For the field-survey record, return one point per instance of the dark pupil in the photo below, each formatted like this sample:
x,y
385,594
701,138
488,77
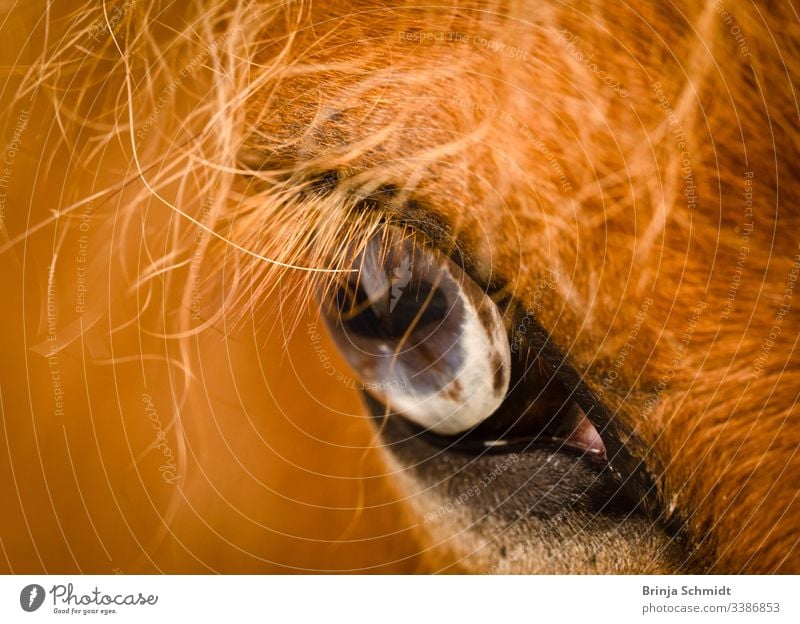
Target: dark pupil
x,y
390,319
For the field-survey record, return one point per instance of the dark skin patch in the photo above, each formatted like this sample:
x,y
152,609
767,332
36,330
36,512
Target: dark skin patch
x,y
541,485
637,482
453,391
486,318
324,182
497,381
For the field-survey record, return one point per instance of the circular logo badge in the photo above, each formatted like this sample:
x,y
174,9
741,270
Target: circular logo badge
x,y
31,597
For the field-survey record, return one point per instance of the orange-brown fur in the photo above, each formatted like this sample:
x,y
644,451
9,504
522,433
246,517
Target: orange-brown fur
x,y
511,140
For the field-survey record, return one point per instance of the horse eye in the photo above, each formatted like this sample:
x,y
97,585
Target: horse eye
x,y
421,336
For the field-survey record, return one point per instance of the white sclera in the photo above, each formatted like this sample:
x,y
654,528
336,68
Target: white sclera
x,y
448,378
473,395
